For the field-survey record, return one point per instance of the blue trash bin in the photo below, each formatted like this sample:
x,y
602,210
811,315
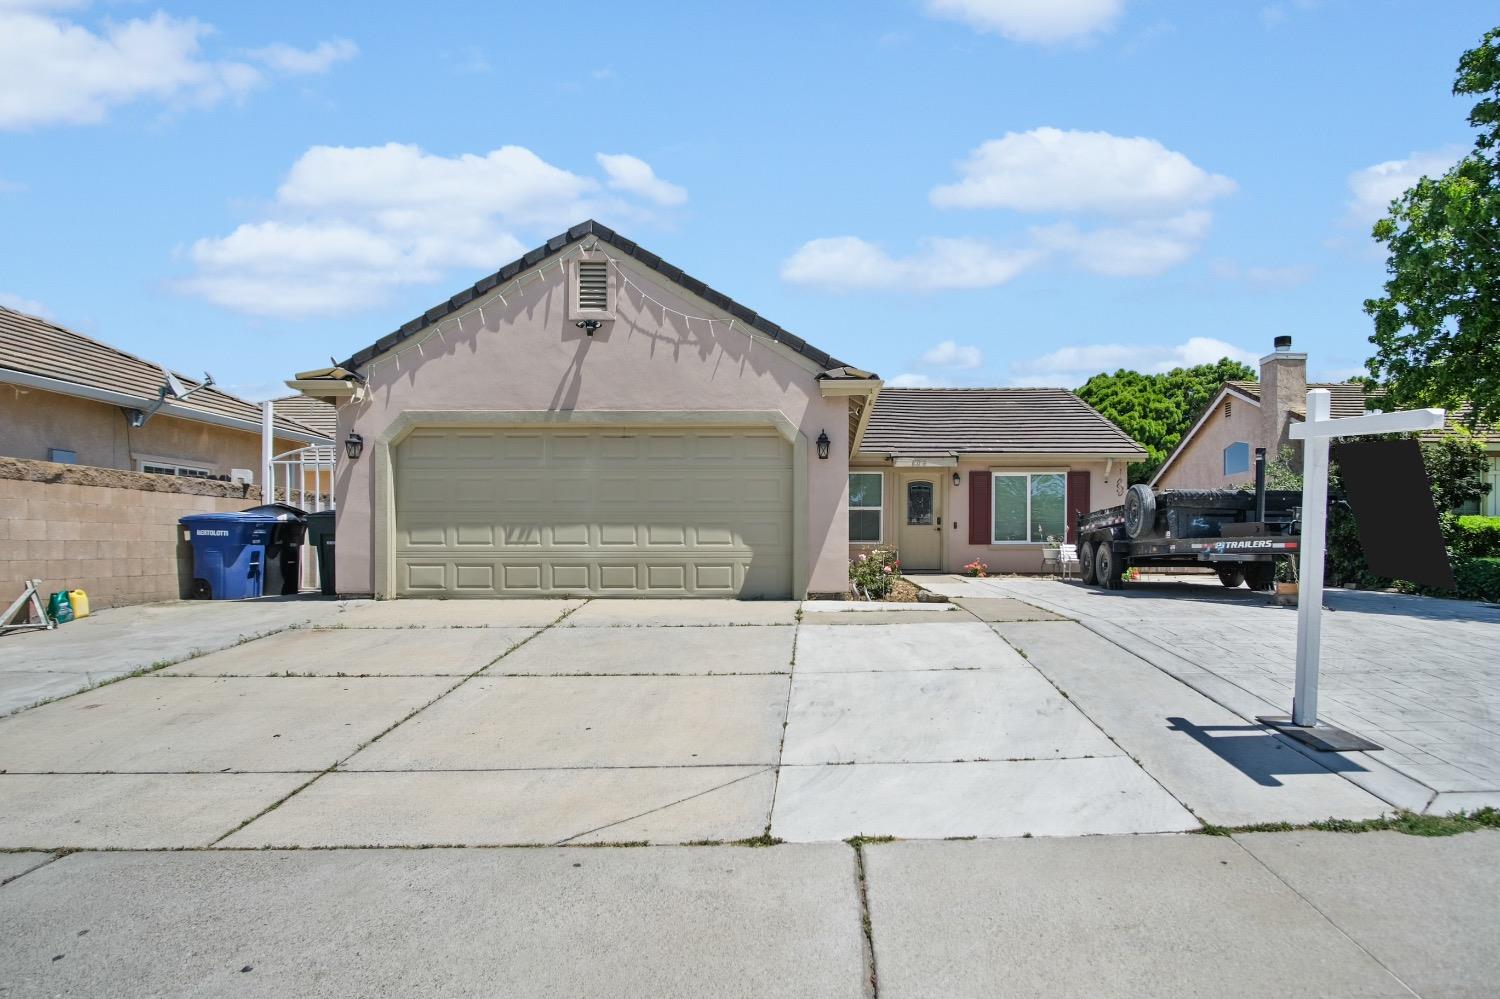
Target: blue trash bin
x,y
231,551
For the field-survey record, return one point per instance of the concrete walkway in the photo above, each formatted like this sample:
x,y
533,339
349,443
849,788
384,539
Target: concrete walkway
x,y
1419,676
1367,915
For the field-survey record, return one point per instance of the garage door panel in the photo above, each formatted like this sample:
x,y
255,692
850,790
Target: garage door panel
x,y
613,512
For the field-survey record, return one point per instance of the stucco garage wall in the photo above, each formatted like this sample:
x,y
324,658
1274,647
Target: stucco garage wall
x,y
527,357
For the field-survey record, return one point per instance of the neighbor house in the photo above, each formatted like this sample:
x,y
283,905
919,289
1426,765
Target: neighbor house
x,y
591,420
70,399
1218,452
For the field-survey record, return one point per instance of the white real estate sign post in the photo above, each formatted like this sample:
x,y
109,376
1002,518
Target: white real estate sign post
x,y
1317,430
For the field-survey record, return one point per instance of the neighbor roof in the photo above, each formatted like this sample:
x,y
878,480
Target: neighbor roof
x,y
312,413
57,359
991,421
626,247
1345,398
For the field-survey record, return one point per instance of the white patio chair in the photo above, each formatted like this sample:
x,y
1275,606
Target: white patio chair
x,y
1062,559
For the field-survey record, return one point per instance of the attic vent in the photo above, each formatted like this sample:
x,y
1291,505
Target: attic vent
x,y
1226,409
593,286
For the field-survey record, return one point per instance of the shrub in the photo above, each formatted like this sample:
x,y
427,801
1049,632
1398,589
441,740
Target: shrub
x,y
1478,578
875,573
1475,537
977,568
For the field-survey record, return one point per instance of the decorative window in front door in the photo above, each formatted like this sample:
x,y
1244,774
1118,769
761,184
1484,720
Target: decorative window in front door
x,y
919,503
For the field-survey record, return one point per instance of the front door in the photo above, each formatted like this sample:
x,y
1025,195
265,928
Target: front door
x,y
921,539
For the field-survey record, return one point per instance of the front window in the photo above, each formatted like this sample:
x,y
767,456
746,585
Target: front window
x,y
1029,507
866,495
1237,458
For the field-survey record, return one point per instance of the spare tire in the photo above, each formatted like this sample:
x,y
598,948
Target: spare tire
x,y
1140,510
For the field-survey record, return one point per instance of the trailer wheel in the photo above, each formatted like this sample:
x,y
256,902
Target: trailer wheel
x,y
1086,563
1260,576
1107,567
1231,575
1140,510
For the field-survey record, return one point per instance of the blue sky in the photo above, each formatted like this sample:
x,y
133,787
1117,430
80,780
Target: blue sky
x,y
965,192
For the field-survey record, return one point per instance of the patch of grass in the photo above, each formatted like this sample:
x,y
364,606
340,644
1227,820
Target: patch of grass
x,y
623,844
764,839
1407,823
863,840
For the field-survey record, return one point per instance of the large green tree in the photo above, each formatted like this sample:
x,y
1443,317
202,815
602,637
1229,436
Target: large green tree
x,y
1158,409
1437,327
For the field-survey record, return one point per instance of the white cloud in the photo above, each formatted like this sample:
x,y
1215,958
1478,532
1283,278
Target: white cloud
x,y
949,354
28,305
1136,249
1072,366
1263,278
1053,170
913,380
1045,21
56,71
350,224
635,176
293,61
1372,189
848,263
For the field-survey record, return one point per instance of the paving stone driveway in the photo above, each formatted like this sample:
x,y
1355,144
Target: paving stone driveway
x,y
548,722
1419,676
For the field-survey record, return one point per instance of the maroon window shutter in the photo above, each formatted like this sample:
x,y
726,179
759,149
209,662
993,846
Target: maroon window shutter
x,y
1078,502
979,508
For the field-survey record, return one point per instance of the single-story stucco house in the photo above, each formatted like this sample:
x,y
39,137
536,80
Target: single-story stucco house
x,y
591,420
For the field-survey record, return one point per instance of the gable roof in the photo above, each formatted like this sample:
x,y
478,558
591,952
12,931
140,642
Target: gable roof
x,y
44,355
630,249
991,421
1345,398
314,414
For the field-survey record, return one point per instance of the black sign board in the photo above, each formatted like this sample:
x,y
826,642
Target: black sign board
x,y
1392,502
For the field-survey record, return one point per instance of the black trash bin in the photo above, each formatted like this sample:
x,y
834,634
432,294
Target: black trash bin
x,y
320,539
283,548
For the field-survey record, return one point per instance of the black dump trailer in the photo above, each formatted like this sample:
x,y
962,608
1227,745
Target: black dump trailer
x,y
1237,532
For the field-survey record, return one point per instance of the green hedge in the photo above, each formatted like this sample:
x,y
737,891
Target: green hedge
x,y
1475,537
1478,578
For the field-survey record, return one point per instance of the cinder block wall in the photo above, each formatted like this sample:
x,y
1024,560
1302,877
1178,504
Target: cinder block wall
x,y
111,532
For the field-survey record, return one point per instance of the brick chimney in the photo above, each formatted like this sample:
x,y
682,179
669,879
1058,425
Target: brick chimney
x,y
1283,388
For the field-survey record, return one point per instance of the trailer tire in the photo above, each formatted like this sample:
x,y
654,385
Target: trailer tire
x,y
1260,576
1086,563
1231,575
1107,567
1140,510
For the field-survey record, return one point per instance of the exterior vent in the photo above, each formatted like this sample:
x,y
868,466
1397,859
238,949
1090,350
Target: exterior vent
x,y
593,286
1227,410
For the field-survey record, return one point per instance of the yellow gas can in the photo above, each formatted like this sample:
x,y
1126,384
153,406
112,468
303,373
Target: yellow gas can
x,y
79,601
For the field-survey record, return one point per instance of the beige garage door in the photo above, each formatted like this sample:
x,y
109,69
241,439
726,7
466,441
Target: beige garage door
x,y
610,512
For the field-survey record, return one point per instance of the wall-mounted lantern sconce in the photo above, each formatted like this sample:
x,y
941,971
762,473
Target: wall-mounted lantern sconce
x,y
823,443
956,479
354,446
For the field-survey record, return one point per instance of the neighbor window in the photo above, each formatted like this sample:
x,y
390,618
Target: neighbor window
x,y
1029,507
1237,458
866,497
172,468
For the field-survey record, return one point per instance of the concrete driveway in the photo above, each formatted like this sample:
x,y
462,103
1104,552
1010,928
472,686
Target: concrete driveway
x,y
141,822
1418,676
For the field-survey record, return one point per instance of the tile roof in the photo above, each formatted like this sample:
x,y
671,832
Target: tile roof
x,y
1348,399
991,421
312,413
33,346
626,247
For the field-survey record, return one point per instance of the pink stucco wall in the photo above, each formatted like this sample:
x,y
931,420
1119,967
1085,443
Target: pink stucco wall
x,y
1107,483
527,356
1200,465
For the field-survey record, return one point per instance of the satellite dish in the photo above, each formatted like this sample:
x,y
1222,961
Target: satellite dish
x,y
173,388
